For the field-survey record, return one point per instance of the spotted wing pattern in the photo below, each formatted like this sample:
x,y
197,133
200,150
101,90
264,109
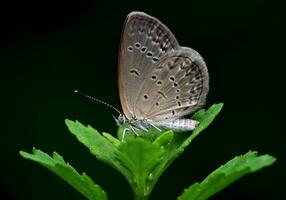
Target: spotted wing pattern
x,y
144,41
176,86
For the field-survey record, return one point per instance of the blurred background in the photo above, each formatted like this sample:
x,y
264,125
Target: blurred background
x,y
50,48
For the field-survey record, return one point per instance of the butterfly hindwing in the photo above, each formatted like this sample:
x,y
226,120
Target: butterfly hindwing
x,y
176,86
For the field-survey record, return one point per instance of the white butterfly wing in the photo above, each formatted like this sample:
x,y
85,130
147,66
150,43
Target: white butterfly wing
x,y
176,86
144,41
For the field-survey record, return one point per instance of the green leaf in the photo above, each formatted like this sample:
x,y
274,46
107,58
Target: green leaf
x,y
182,140
140,156
227,174
56,164
100,146
143,159
164,139
111,139
137,158
205,118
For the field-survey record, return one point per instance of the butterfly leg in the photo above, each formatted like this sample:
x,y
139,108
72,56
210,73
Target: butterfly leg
x,y
156,127
143,128
133,129
123,134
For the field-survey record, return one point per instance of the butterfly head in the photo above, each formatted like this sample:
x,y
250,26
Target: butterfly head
x,y
120,120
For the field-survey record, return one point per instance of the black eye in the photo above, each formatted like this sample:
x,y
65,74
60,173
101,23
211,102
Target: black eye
x,y
173,112
145,96
179,103
157,103
159,82
153,77
172,78
149,54
143,49
130,48
177,97
175,84
155,59
137,45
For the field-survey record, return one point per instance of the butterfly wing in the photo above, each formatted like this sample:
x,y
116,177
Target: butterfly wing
x,y
176,86
144,41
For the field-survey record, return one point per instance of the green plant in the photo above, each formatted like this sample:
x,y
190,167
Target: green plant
x,y
142,160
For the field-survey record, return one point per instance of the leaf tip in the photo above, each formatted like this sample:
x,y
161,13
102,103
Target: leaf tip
x,y
68,122
218,106
23,153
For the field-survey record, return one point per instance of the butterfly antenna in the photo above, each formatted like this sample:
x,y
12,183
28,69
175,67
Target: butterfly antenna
x,y
77,92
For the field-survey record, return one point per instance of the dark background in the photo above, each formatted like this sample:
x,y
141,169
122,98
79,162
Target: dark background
x,y
49,48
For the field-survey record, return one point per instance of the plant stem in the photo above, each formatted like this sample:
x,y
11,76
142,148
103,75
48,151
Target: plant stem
x,y
140,191
141,197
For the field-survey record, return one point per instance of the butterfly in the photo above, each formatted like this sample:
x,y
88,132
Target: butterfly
x,y
159,80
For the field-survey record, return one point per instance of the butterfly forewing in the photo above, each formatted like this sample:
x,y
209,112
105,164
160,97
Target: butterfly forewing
x,y
177,86
144,41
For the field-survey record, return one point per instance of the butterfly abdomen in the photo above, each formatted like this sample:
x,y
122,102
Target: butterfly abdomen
x,y
180,125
